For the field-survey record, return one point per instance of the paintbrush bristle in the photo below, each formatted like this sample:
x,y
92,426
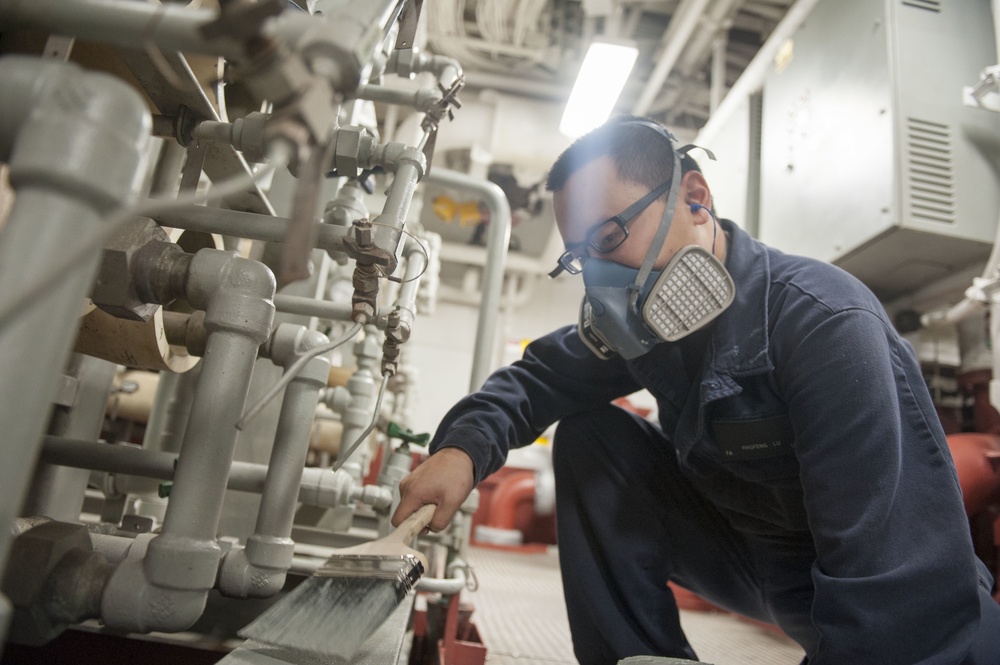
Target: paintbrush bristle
x,y
341,606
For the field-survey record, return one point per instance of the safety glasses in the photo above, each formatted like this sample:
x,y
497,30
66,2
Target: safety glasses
x,y
606,236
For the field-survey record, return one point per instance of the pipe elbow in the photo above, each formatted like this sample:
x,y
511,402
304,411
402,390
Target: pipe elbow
x,y
511,493
289,341
447,70
237,294
60,109
392,155
241,578
131,602
975,458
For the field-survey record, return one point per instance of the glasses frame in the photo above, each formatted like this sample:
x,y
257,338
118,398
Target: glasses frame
x,y
573,254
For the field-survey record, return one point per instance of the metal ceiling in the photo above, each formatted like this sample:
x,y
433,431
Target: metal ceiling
x,y
690,51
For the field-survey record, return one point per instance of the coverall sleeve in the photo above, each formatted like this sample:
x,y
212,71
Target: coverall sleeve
x,y
557,376
895,575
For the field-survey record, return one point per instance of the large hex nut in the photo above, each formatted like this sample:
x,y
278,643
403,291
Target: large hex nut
x,y
26,581
114,289
347,157
280,77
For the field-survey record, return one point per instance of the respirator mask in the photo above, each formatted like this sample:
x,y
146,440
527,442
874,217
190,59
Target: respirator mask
x,y
627,311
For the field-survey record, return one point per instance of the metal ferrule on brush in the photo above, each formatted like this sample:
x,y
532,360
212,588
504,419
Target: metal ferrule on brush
x,y
405,568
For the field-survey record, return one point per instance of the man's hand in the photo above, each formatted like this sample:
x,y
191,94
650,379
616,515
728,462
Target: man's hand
x,y
444,479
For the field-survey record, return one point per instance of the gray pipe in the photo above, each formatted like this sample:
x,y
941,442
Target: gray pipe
x,y
408,62
423,99
171,410
76,145
357,414
319,487
58,491
493,271
178,567
259,569
409,168
121,22
304,306
244,225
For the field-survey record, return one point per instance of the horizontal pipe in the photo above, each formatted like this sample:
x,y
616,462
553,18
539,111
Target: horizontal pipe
x,y
244,225
123,23
304,306
316,488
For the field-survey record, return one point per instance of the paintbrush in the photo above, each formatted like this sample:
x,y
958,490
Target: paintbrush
x,y
334,611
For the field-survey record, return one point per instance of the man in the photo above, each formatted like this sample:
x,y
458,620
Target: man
x,y
798,474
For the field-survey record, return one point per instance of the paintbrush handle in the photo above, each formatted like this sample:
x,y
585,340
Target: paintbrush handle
x,y
411,527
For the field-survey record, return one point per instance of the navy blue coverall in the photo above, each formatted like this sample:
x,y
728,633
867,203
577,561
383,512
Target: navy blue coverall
x,y
799,475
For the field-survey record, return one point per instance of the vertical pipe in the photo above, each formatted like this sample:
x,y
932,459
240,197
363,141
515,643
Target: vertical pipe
x,y
291,443
58,491
167,174
196,500
182,562
76,146
718,82
259,569
397,203
171,410
493,271
682,26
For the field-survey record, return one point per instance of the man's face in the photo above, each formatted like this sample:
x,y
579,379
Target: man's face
x,y
596,193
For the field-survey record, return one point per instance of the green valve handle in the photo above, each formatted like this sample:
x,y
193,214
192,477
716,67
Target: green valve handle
x,y
164,490
396,432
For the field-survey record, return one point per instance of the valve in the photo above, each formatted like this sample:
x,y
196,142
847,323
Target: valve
x,y
395,335
396,431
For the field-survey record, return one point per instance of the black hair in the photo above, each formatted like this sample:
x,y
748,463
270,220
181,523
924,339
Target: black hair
x,y
640,156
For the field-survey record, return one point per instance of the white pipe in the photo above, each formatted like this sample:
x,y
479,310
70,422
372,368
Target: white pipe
x,y
753,76
718,83
178,567
686,20
968,306
121,22
76,146
258,570
493,272
319,487
713,27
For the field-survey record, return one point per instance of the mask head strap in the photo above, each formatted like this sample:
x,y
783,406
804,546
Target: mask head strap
x,y
661,234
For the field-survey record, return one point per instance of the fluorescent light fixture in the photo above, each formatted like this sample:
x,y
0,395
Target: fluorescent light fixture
x,y
602,76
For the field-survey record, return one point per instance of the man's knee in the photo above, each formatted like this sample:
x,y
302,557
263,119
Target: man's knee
x,y
593,436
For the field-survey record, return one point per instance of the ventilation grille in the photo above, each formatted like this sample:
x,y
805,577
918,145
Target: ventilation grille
x,y
929,5
930,171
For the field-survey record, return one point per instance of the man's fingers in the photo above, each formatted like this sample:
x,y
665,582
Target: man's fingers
x,y
408,505
442,517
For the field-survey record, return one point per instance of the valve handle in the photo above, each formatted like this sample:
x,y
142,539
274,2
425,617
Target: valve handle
x,y
395,431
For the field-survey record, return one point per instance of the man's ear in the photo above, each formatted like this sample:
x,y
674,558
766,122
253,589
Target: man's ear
x,y
695,191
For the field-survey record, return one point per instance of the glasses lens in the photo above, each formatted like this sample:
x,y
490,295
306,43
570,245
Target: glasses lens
x,y
571,263
608,236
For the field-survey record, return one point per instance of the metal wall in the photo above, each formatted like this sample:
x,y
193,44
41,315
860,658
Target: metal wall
x,y
870,160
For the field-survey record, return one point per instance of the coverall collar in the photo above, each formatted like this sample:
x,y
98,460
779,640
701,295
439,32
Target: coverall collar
x,y
739,335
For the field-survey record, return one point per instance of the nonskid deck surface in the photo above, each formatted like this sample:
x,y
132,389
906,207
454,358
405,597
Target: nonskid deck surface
x,y
520,615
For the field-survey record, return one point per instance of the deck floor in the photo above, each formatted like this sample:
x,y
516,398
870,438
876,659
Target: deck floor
x,y
521,617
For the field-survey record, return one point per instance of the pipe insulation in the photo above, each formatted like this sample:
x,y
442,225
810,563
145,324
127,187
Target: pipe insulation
x,y
75,142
